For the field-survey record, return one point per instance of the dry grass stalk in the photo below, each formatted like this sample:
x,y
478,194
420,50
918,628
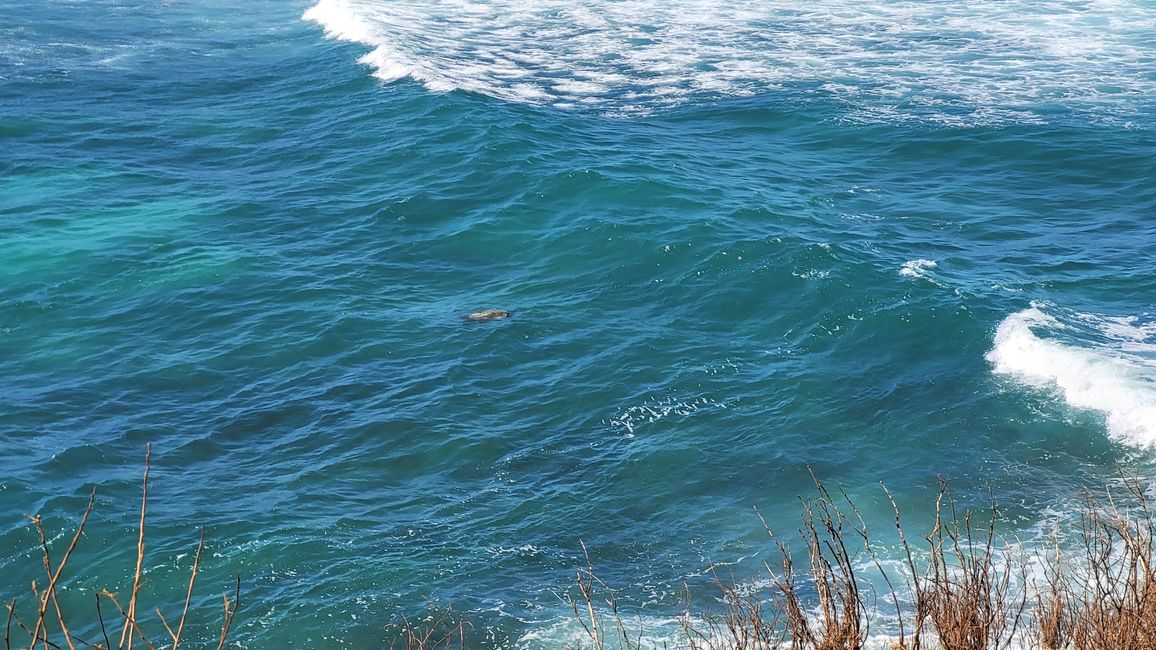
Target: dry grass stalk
x,y
1052,615
130,618
914,582
111,597
176,636
591,591
960,589
971,602
42,633
962,592
231,605
440,630
1114,604
967,589
745,624
54,577
8,624
843,612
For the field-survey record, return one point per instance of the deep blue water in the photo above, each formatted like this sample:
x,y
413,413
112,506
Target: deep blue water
x,y
885,242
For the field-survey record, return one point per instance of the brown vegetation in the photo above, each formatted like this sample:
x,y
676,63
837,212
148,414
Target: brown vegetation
x,y
50,627
438,630
967,590
1111,603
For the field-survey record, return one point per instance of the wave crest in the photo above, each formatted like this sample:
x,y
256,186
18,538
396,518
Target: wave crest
x,y
986,61
1106,364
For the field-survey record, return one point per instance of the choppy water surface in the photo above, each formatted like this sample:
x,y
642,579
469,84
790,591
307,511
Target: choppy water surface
x,y
884,242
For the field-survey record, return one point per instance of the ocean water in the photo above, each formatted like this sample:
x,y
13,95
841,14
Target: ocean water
x,y
741,242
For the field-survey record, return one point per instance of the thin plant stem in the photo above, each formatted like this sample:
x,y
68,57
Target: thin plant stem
x,y
130,617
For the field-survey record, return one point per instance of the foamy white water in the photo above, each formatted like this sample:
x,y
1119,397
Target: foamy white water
x,y
917,268
1107,364
956,62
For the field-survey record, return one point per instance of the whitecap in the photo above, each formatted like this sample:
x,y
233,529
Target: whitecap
x,y
990,61
1102,363
917,268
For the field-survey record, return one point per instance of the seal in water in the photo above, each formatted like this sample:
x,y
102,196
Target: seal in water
x,y
487,314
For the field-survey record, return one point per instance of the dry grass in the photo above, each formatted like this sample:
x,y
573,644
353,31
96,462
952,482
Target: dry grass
x,y
50,628
842,621
438,630
745,622
604,627
968,590
970,600
1053,603
1112,602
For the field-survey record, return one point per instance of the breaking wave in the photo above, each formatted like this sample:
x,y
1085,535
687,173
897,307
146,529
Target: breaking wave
x,y
1102,363
979,62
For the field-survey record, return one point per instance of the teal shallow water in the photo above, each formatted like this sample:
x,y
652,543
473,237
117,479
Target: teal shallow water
x,y
224,236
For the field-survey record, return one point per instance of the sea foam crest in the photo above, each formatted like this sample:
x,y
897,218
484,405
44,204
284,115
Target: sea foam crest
x,y
917,268
1107,364
983,61
568,631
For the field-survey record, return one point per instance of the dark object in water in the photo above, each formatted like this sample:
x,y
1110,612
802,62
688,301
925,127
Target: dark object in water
x,y
487,314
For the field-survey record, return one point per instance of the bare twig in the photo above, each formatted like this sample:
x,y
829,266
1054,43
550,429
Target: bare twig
x,y
8,625
54,575
230,611
130,617
103,631
188,594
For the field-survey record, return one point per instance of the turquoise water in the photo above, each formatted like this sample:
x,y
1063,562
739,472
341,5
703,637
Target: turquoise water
x,y
885,242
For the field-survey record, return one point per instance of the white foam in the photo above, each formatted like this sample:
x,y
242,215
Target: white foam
x,y
917,268
652,411
649,631
983,61
568,632
1106,364
341,20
